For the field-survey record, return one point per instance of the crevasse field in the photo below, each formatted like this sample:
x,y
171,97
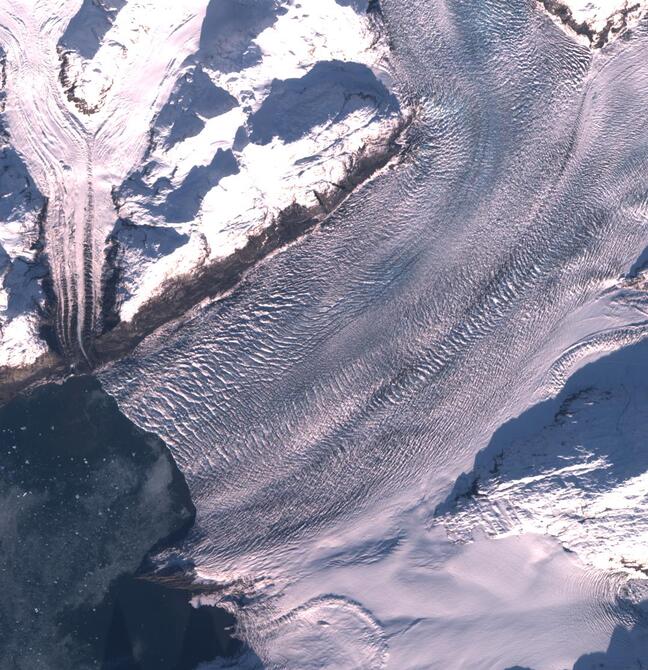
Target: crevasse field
x,y
414,437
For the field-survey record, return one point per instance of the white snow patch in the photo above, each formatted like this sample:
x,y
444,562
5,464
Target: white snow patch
x,y
577,472
20,343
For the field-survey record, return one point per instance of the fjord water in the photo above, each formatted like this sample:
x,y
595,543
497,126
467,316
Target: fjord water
x,y
84,496
360,371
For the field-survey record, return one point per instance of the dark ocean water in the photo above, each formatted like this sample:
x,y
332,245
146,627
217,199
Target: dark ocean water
x,y
84,496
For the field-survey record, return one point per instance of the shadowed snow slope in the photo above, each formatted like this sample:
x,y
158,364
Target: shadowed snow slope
x,y
21,268
78,139
88,27
276,110
324,409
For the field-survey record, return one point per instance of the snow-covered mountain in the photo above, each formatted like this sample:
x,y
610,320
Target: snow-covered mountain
x,y
22,210
574,467
596,22
166,148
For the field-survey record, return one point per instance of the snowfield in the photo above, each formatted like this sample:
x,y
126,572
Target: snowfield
x,y
74,158
573,468
251,130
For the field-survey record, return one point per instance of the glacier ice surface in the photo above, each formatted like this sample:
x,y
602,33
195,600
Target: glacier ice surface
x,y
324,408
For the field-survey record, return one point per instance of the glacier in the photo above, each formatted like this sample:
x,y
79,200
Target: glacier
x,y
323,411
414,436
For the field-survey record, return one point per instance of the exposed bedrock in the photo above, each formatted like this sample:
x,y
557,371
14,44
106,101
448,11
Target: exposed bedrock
x,y
201,209
25,303
79,45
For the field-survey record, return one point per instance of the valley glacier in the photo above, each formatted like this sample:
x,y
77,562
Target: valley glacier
x,y
376,274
